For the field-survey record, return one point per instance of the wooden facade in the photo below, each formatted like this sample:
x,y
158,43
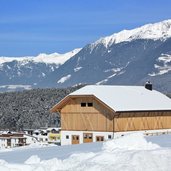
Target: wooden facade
x,y
100,117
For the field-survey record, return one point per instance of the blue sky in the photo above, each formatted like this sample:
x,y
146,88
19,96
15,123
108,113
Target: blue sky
x,y
30,27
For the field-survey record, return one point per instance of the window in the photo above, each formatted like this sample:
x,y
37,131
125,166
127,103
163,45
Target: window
x,y
54,131
90,136
75,137
67,136
109,137
83,104
44,133
99,138
90,104
36,133
85,135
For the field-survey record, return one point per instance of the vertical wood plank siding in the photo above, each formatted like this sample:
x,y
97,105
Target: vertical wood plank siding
x,y
100,118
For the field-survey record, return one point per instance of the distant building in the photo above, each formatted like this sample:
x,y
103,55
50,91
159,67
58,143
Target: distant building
x,y
49,135
40,135
54,135
8,140
97,113
29,136
28,131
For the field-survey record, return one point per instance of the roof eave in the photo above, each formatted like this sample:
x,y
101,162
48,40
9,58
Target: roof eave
x,y
159,110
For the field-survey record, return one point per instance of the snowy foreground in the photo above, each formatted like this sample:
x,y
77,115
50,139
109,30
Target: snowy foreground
x,y
132,152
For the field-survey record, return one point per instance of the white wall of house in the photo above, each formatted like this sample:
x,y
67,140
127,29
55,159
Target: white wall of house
x,y
14,142
3,143
42,138
66,136
30,139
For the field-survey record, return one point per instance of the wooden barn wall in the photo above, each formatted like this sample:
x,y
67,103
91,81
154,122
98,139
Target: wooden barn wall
x,y
142,121
75,117
100,118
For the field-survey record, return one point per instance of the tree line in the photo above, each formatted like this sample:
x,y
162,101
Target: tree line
x,y
29,109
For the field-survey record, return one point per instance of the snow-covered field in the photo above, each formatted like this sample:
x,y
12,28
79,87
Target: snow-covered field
x,y
132,152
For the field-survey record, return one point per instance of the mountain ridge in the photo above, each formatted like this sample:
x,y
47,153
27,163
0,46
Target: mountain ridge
x,y
159,30
130,57
54,58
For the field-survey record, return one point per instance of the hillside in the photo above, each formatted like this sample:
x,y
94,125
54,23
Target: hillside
x,y
129,57
27,72
30,109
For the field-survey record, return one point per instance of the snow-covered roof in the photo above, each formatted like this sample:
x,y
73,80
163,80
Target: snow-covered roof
x,y
127,98
50,129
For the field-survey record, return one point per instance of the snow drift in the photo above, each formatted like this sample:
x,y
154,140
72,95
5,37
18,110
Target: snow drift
x,y
131,152
129,142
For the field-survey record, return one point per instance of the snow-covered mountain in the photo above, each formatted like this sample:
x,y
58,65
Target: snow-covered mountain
x,y
26,72
161,30
54,58
129,57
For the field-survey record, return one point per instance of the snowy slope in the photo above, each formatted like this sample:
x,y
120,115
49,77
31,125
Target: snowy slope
x,y
160,30
163,65
54,58
30,71
132,152
130,57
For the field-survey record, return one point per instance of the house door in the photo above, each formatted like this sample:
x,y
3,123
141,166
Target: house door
x,y
99,138
75,139
87,137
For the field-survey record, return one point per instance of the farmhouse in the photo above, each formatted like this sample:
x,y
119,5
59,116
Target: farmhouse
x,y
100,112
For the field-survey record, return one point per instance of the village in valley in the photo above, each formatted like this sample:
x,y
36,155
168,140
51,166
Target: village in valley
x,y
42,136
